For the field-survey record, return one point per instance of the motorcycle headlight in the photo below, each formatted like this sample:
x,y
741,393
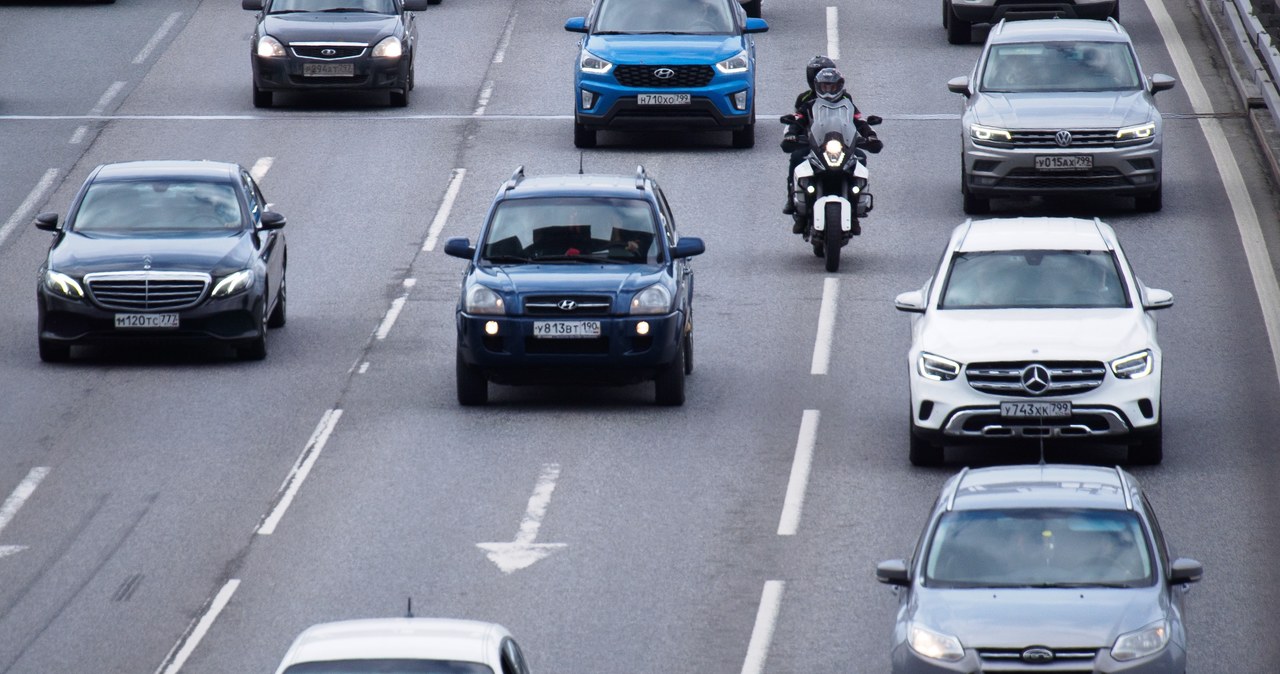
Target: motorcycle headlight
x,y
833,153
590,63
1146,641
389,48
934,645
63,285
655,299
989,134
269,47
1135,365
1140,132
233,283
482,300
937,368
734,64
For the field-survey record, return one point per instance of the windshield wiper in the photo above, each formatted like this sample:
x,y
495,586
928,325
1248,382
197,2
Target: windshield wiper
x,y
288,11
349,10
588,259
1076,586
507,259
615,32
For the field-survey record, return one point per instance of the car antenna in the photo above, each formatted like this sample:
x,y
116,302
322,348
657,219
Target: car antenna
x,y
409,611
580,156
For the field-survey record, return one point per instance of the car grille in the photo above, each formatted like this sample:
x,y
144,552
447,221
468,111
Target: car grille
x,y
147,290
643,76
319,51
568,305
1065,661
595,345
1065,377
1031,179
1048,138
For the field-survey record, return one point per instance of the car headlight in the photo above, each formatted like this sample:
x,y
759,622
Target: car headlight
x,y
1146,641
1137,133
989,134
233,283
737,63
389,48
63,285
1135,365
269,47
833,153
482,300
655,299
934,645
590,63
937,368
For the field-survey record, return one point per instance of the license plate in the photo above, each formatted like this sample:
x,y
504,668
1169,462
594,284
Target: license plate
x,y
566,329
146,321
328,70
1064,162
663,99
1036,410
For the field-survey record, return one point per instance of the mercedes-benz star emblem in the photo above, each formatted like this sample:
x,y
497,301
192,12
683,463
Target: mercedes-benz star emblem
x,y
146,261
1063,138
328,51
1037,655
664,73
567,305
1035,379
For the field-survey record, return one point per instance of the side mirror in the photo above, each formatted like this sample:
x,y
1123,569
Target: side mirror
x,y
1184,570
787,119
1155,298
688,246
960,85
874,120
756,26
47,221
1161,83
577,24
459,246
893,572
271,220
415,5
912,302
254,5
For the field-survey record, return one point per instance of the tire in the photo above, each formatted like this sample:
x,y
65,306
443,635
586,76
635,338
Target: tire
x,y
688,354
922,452
668,386
752,8
1150,203
946,14
400,99
54,352
818,250
256,348
261,99
277,318
433,2
973,204
583,137
1149,449
745,137
958,30
473,387
832,236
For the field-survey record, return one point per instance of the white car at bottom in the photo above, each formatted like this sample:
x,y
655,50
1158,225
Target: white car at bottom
x,y
1034,328
404,645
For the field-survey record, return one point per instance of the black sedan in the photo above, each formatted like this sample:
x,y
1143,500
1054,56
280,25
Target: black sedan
x,y
163,250
333,44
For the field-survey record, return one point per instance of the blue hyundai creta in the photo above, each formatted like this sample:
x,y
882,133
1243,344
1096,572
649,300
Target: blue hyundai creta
x,y
666,64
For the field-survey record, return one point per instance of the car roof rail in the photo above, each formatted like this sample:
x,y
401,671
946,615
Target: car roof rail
x,y
641,176
515,179
951,497
1124,489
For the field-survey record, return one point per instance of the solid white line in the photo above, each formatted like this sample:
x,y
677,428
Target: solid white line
x,y
20,494
34,198
155,39
442,215
78,136
1181,57
826,326
799,482
538,503
293,481
833,33
193,639
501,54
762,633
107,95
485,92
260,168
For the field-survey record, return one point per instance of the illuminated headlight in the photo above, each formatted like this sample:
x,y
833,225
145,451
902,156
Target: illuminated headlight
x,y
937,368
934,645
389,48
833,153
481,300
590,63
1135,365
655,299
989,134
1146,641
735,64
269,47
1136,133
63,285
233,283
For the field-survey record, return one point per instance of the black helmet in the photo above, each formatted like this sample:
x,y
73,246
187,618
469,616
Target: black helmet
x,y
828,84
815,64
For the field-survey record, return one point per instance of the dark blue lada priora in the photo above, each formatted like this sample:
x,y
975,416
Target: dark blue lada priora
x,y
576,279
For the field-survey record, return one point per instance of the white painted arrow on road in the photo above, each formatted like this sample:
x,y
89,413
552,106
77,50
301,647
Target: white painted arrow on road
x,y
12,504
523,552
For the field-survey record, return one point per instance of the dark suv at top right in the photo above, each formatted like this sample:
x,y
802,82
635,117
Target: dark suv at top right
x,y
958,16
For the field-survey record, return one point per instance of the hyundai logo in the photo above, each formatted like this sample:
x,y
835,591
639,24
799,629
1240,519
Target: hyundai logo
x,y
567,305
1063,138
1035,379
664,73
1037,655
328,51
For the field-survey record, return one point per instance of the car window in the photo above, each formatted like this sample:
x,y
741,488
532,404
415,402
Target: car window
x,y
664,16
369,6
251,195
1162,546
1034,547
670,220
1060,66
1034,279
572,229
121,207
389,666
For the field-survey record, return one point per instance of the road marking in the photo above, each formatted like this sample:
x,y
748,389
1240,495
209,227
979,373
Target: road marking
x,y
293,481
446,206
389,320
34,198
187,643
799,482
155,39
523,552
762,633
13,504
501,54
79,135
833,33
1255,246
107,95
260,168
826,326
364,367
485,92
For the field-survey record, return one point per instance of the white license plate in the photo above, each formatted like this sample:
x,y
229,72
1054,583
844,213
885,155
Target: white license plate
x,y
1035,410
566,329
146,321
1064,162
663,99
328,70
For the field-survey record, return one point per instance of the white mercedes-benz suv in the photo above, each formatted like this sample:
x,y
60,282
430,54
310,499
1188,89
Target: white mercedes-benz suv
x,y
1034,328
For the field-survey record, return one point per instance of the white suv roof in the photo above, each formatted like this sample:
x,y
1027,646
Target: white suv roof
x,y
1034,234
398,638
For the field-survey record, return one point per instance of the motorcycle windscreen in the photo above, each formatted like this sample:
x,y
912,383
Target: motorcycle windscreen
x,y
832,120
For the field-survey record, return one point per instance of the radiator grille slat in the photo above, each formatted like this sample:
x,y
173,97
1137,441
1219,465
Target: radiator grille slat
x,y
147,291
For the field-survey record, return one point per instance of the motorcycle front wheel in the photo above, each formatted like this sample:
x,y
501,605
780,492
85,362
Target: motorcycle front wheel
x,y
833,236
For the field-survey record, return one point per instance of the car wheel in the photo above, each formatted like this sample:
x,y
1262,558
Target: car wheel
x,y
256,348
973,204
946,14
958,30
473,387
433,2
54,352
1149,449
261,99
688,354
277,318
583,137
745,137
668,386
400,99
1150,203
922,452
752,8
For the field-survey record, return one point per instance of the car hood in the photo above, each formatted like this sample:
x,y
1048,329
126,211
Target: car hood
x,y
977,335
1073,110
1018,618
330,27
78,254
536,279
664,49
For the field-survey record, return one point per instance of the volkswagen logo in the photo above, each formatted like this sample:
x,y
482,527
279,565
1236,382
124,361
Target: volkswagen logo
x,y
1037,655
1035,379
146,261
567,305
664,73
328,51
1063,138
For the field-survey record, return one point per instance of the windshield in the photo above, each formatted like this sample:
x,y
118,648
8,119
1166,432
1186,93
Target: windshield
x,y
389,667
1034,279
159,205
664,16
364,6
1060,66
572,229
1039,547
832,119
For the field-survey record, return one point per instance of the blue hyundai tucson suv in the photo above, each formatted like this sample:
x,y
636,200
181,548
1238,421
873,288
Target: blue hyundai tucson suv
x,y
665,64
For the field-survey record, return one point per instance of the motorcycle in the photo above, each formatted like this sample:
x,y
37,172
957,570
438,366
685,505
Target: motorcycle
x,y
830,191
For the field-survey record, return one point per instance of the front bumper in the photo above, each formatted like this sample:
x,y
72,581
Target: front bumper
x,y
227,319
615,106
992,11
284,73
1006,172
906,661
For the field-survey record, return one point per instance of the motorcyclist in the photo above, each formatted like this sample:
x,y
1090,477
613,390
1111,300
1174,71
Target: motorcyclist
x,y
796,140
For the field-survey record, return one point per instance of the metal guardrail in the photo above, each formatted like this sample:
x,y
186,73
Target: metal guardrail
x,y
1263,57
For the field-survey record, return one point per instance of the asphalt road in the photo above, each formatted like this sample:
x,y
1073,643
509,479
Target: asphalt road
x,y
152,472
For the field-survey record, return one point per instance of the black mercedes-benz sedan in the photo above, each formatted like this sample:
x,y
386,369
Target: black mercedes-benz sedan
x,y
333,44
163,250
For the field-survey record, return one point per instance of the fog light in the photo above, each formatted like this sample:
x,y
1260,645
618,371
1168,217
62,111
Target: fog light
x,y
982,180
588,99
491,328
642,328
740,100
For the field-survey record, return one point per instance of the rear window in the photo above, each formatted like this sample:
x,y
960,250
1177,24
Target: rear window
x,y
1034,279
389,667
1060,66
159,206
